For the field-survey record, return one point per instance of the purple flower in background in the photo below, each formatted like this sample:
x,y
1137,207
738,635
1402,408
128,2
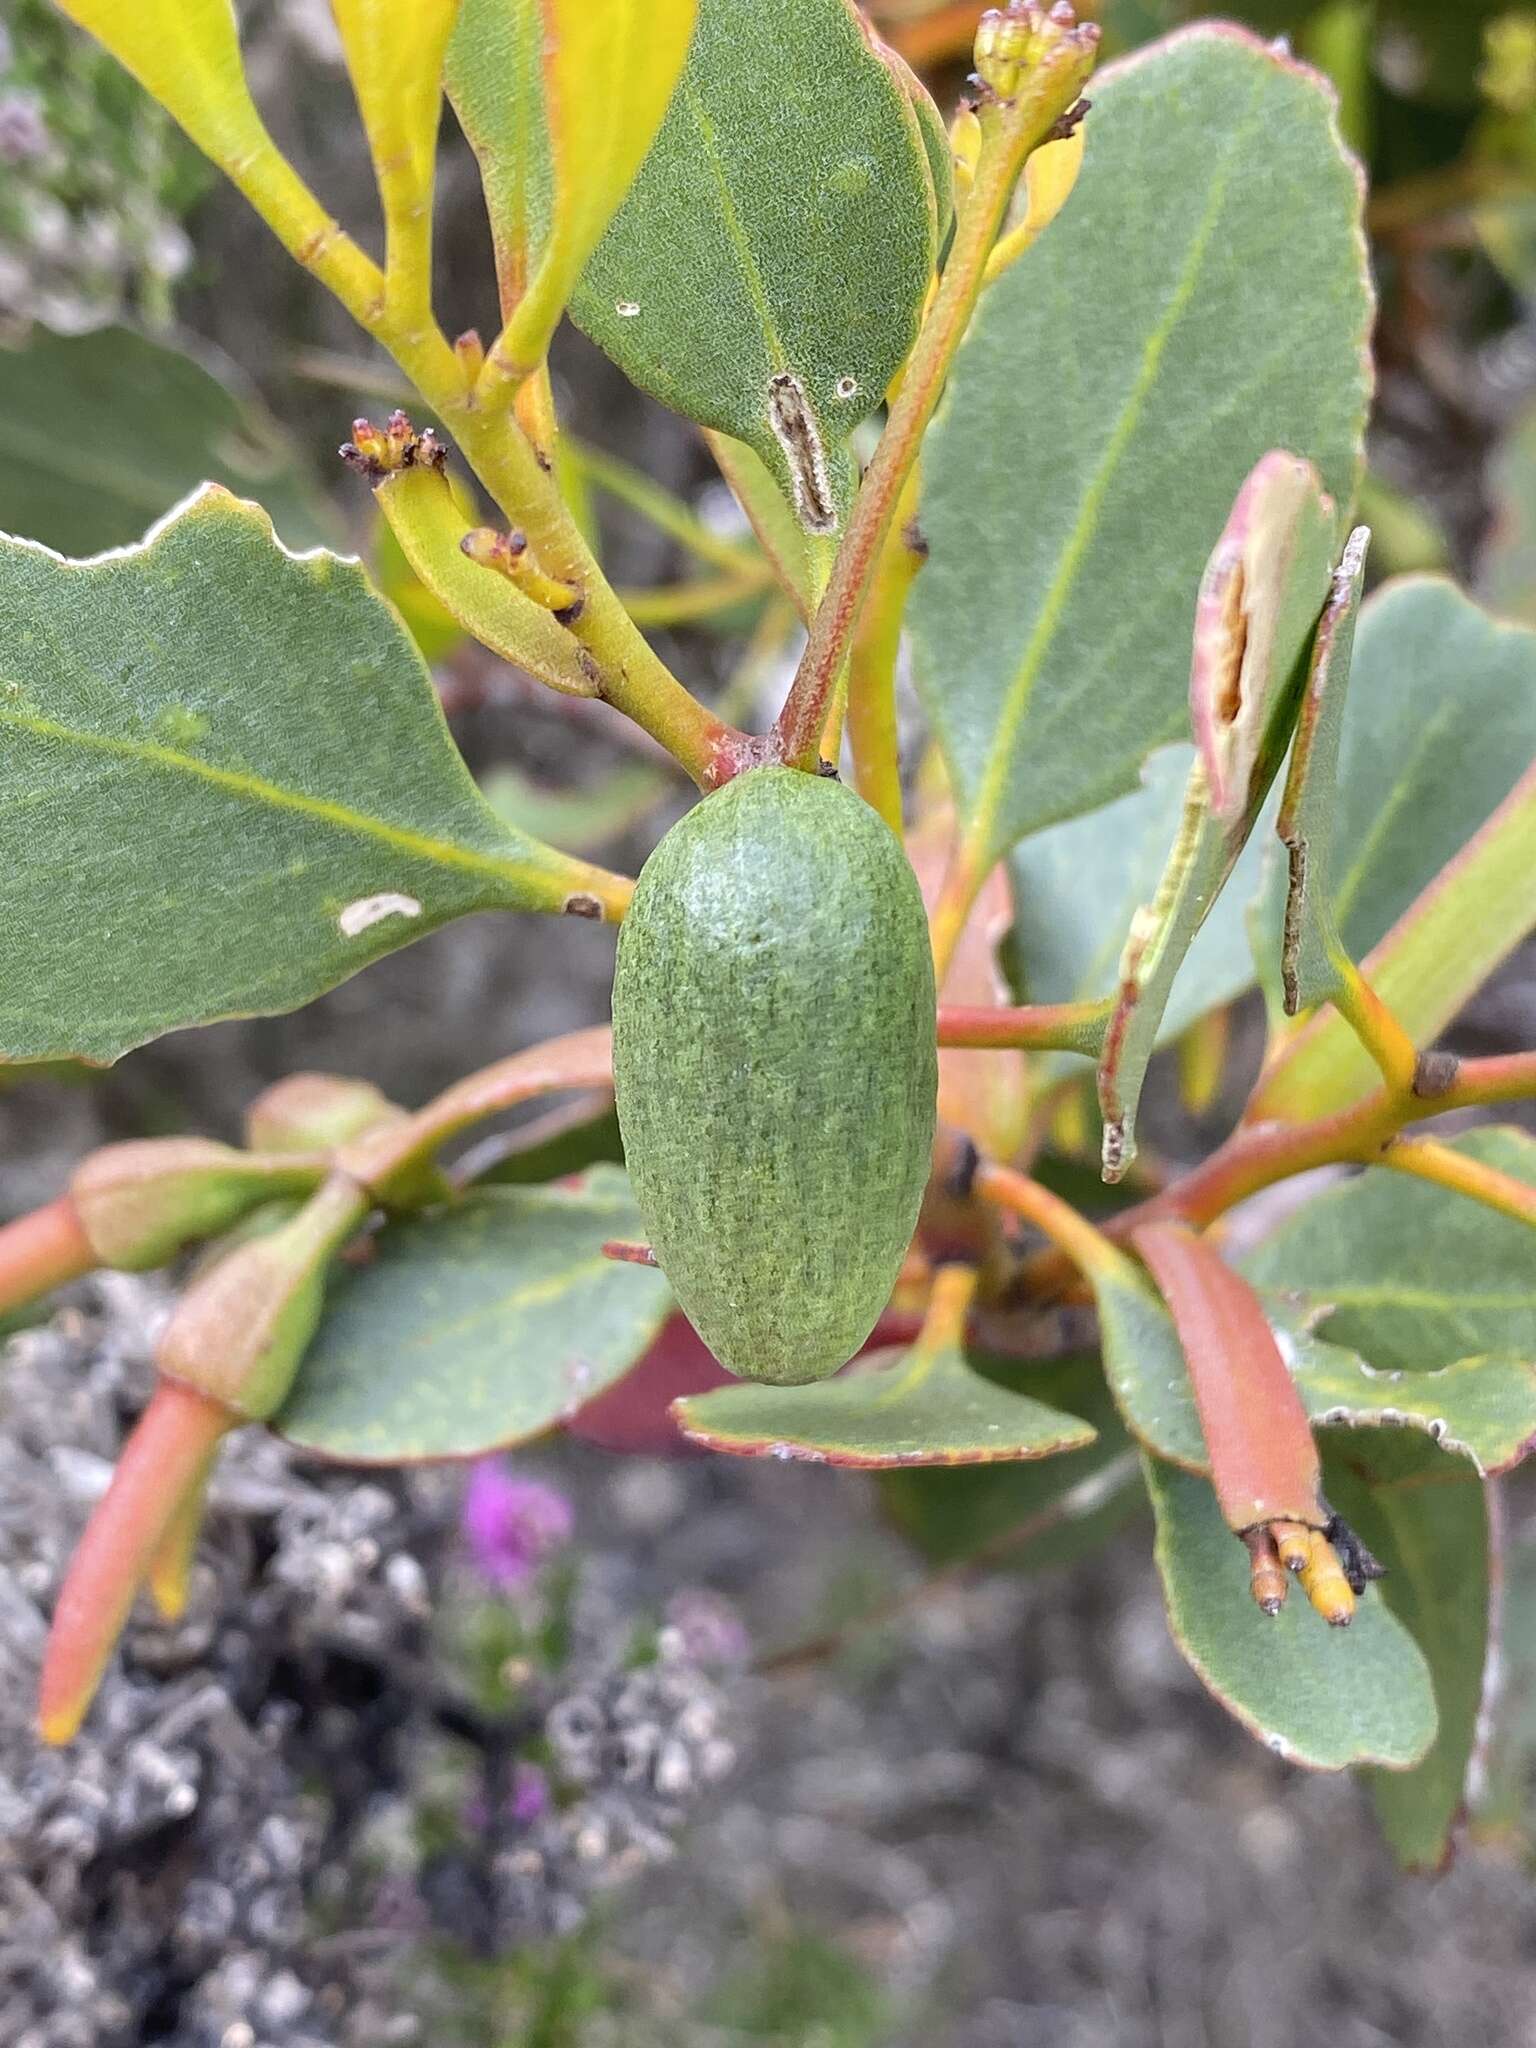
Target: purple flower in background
x,y
511,1525
530,1794
23,131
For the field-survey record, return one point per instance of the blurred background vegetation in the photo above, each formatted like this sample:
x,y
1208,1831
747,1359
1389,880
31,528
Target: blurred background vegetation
x,y
1005,1817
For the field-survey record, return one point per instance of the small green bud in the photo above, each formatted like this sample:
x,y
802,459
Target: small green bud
x,y
316,1113
241,1330
142,1202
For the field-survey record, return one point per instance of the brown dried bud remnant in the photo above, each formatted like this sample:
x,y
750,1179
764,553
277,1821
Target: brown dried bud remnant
x,y
378,452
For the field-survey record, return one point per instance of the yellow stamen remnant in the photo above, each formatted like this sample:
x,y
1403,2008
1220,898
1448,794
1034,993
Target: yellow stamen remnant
x,y
1323,1581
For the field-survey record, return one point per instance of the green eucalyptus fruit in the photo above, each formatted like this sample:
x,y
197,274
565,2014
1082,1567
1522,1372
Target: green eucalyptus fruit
x,y
775,1067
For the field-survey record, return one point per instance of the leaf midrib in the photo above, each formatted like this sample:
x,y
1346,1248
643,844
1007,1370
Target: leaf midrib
x,y
981,830
255,789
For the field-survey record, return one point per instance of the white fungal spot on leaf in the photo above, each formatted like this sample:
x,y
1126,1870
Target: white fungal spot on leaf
x,y
627,308
371,910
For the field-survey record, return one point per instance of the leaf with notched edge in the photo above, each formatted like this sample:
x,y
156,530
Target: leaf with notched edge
x,y
1484,1407
477,1326
225,785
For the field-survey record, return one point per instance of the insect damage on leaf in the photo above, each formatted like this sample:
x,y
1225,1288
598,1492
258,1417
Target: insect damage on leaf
x,y
795,429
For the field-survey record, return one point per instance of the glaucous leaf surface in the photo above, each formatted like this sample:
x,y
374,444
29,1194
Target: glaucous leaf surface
x,y
1077,885
225,785
1438,726
1323,1697
477,1326
1424,1514
893,1408
1411,1275
1201,299
765,274
1483,1406
105,432
1457,930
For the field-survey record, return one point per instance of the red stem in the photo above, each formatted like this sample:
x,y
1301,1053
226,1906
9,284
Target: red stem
x,y
41,1251
1033,1027
163,1458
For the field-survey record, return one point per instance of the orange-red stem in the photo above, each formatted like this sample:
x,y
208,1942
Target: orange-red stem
x,y
41,1251
163,1459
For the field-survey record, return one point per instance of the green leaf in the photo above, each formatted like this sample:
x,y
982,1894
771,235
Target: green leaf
x,y
1411,1275
1077,885
478,1326
1180,318
1483,1406
1425,1516
1506,569
1311,946
896,1407
1032,1513
560,99
579,820
765,275
1255,616
1322,1697
495,82
105,432
559,1143
225,785
1472,915
1412,786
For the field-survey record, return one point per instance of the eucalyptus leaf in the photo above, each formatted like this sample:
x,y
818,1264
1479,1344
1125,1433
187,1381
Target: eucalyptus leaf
x,y
1186,313
1483,1407
105,432
1439,725
894,1408
225,785
765,275
1410,1274
1424,1514
1322,1697
1077,885
477,1326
